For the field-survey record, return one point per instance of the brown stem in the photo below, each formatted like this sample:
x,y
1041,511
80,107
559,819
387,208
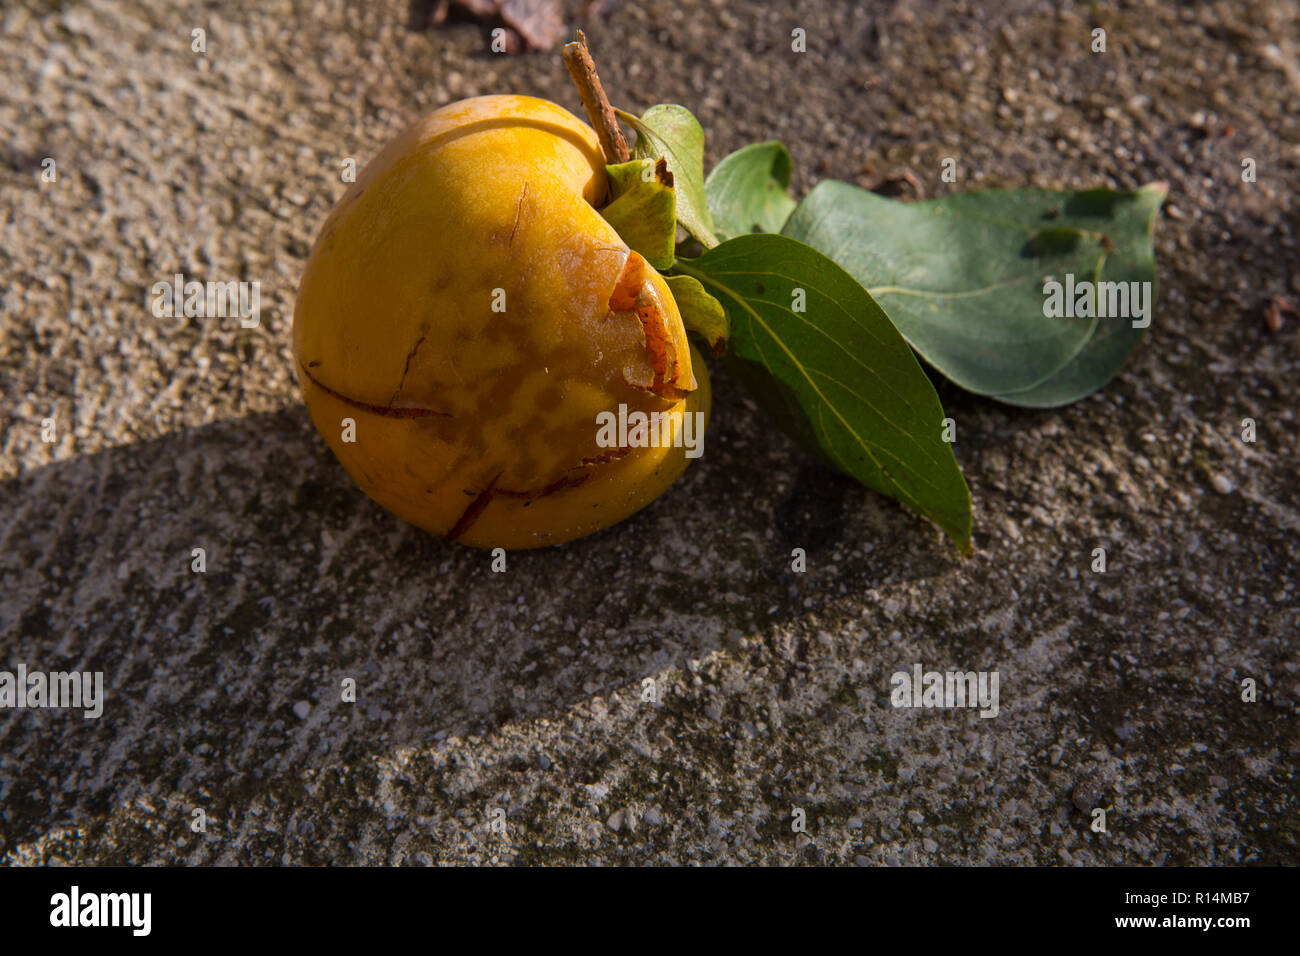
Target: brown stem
x,y
583,71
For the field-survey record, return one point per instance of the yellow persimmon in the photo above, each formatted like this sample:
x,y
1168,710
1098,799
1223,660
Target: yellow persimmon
x,y
466,319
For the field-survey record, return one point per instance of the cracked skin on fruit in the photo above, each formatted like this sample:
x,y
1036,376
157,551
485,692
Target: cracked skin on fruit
x,y
473,422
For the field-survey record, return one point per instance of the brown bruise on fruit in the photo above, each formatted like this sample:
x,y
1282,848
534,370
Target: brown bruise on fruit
x,y
471,513
406,368
482,499
635,293
389,410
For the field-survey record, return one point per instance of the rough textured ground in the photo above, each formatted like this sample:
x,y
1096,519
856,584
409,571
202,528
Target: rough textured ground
x,y
522,690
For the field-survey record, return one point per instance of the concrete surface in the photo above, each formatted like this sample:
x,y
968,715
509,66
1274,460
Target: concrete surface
x,y
523,691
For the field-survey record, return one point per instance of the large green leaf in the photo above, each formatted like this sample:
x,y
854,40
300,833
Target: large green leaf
x,y
749,191
672,133
835,373
963,278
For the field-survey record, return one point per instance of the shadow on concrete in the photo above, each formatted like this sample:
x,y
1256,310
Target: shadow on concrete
x,y
308,582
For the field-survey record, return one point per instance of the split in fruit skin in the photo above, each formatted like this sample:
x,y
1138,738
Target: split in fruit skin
x,y
468,308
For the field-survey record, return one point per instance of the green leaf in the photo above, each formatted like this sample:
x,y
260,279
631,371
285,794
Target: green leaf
x,y
701,312
642,210
965,290
837,375
1128,219
749,191
672,133
963,278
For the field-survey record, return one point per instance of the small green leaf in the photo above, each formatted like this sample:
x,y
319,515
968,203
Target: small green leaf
x,y
823,358
749,191
701,312
963,278
643,211
672,133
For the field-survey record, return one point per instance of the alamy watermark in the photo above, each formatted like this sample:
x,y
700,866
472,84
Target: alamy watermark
x,y
79,690
922,688
637,429
1086,299
73,909
209,300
